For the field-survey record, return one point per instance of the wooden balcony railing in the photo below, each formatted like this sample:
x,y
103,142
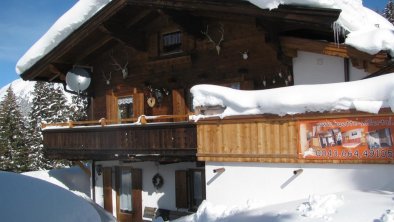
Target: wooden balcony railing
x,y
130,139
304,138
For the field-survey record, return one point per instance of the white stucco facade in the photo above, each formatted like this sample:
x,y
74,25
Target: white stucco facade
x,y
268,183
163,198
312,68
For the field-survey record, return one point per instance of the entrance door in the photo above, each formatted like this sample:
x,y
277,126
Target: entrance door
x,y
107,188
128,194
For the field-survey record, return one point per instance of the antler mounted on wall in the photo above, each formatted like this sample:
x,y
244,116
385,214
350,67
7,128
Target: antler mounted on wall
x,y
107,78
118,67
217,44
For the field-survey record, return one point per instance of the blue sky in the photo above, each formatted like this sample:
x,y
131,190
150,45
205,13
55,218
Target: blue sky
x,y
23,22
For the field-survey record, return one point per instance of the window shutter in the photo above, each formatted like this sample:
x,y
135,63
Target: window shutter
x,y
181,189
107,188
137,179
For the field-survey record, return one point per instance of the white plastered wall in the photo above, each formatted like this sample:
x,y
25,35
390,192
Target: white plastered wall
x,y
264,183
312,68
162,198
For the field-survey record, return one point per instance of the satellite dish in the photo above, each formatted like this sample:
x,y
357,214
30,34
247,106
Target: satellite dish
x,y
78,79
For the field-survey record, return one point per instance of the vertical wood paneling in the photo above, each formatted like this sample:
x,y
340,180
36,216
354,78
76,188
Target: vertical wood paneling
x,y
178,103
251,139
138,104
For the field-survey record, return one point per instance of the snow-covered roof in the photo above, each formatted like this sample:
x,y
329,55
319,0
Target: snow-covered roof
x,y
369,32
70,21
368,95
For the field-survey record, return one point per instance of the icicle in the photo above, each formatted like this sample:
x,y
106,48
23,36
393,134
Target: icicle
x,y
336,28
338,32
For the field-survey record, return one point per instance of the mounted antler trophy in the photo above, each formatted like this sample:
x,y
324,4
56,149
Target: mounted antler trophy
x,y
107,77
216,43
119,67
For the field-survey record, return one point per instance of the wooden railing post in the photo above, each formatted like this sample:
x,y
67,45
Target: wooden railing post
x,y
103,121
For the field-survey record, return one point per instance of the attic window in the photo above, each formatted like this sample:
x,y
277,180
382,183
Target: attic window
x,y
171,42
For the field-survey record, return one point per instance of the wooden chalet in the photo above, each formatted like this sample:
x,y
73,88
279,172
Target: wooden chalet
x,y
144,56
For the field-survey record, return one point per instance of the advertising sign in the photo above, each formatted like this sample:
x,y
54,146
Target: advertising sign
x,y
347,138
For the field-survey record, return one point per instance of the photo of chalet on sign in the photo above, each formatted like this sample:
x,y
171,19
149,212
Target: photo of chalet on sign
x,y
361,138
220,101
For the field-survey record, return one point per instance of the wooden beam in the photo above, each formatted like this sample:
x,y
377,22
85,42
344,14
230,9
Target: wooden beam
x,y
296,13
83,167
73,39
320,47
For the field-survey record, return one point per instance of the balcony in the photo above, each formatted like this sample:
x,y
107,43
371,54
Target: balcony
x,y
340,137
110,140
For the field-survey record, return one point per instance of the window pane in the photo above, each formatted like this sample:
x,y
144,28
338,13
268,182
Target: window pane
x,y
125,107
125,191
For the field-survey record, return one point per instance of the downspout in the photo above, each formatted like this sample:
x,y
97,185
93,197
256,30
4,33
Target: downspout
x,y
346,66
93,178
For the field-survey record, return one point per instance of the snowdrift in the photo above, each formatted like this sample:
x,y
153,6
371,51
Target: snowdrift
x,y
24,198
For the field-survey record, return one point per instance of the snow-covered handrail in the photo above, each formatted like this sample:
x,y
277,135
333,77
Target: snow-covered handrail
x,y
106,122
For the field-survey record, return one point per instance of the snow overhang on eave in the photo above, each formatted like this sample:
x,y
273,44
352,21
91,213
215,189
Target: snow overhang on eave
x,y
46,69
49,69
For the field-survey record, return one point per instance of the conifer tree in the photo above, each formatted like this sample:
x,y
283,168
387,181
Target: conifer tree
x,y
78,108
58,109
13,135
49,105
388,12
39,112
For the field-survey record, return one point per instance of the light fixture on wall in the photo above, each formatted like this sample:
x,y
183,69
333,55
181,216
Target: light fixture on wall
x,y
99,170
298,172
245,54
219,170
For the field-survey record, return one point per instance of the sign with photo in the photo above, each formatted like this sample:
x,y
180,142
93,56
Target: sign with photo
x,y
347,138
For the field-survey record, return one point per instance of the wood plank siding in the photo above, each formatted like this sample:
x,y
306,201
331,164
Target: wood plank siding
x,y
267,139
159,141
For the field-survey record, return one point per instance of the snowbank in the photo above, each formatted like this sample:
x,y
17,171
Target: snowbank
x,y
342,207
73,179
24,198
354,17
367,95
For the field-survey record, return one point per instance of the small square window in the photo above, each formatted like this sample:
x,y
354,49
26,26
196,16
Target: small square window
x,y
171,42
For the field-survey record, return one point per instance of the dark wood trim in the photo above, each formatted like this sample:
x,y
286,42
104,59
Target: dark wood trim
x,y
157,142
306,116
74,38
346,66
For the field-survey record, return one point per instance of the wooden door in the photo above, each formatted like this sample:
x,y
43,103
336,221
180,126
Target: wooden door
x,y
128,194
107,189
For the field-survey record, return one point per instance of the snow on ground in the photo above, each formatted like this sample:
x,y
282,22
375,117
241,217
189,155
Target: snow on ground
x,y
73,179
354,17
299,99
24,198
360,206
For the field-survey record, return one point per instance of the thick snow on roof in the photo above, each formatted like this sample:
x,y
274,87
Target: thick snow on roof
x,y
70,21
354,17
367,95
369,31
